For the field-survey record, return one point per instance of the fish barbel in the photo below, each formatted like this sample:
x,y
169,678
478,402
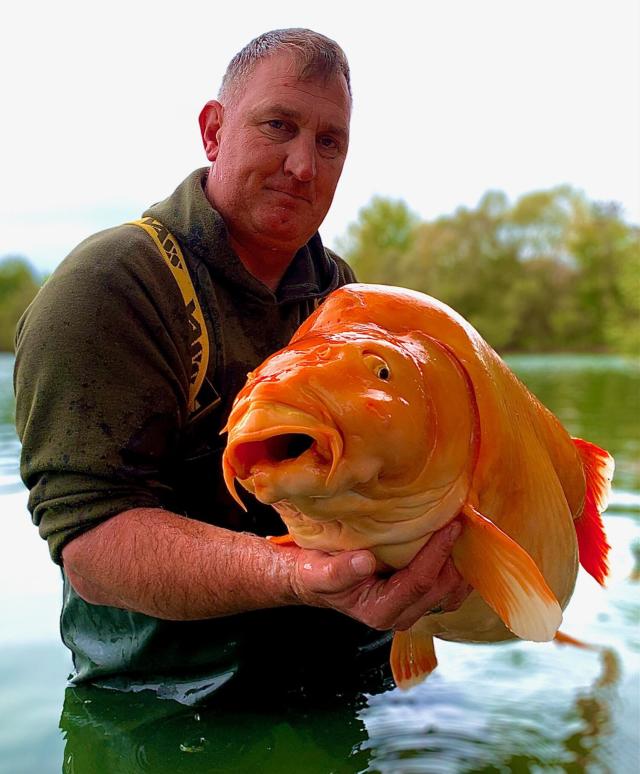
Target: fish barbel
x,y
388,416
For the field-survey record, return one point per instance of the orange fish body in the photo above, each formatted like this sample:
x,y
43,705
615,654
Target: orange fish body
x,y
386,417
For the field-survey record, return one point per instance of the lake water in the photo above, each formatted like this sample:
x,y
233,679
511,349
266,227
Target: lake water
x,y
518,707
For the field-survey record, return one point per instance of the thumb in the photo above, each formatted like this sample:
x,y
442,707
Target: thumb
x,y
337,573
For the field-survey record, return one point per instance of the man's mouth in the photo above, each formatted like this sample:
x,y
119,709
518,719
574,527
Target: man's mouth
x,y
291,194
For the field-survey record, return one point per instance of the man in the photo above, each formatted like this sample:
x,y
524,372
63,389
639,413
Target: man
x,y
167,583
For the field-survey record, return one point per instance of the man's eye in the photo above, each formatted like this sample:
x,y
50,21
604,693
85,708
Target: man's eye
x,y
276,124
328,142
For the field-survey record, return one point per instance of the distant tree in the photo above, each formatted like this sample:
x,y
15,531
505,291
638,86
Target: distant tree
x,y
539,222
463,260
18,285
542,298
541,302
377,243
607,251
553,271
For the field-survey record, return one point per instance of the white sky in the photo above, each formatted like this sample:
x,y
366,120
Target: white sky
x,y
99,104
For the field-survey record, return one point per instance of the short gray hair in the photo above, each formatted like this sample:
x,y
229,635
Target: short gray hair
x,y
317,55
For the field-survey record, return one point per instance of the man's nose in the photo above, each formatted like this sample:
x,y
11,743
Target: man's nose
x,y
301,158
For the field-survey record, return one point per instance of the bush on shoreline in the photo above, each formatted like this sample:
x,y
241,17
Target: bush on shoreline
x,y
19,284
552,272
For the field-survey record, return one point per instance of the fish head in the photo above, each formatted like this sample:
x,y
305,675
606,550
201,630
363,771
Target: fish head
x,y
326,414
344,427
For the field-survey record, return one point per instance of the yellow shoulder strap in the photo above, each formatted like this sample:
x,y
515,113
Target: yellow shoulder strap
x,y
199,341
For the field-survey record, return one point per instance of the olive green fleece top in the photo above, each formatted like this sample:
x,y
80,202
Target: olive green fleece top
x,y
102,368
102,377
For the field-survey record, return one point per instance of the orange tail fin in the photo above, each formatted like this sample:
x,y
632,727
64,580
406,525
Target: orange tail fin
x,y
592,542
412,655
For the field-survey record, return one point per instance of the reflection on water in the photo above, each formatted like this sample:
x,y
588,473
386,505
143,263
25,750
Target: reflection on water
x,y
447,729
114,733
517,707
487,720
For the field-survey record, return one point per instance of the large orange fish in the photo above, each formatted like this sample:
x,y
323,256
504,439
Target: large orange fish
x,y
386,417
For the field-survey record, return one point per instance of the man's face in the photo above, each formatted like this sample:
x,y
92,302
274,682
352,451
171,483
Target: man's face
x,y
278,154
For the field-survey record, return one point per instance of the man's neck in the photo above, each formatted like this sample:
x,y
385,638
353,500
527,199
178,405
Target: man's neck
x,y
266,265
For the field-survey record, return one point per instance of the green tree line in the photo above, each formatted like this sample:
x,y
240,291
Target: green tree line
x,y
550,272
19,283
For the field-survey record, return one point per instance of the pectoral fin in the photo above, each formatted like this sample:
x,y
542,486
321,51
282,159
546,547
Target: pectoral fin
x,y
506,577
282,540
412,655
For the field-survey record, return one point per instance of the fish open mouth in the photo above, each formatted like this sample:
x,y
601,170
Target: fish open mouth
x,y
271,438
275,449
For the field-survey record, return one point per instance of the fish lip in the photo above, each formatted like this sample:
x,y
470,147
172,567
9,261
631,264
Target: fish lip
x,y
321,443
327,442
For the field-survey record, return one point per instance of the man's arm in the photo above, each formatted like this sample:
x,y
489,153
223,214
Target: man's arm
x,y
164,565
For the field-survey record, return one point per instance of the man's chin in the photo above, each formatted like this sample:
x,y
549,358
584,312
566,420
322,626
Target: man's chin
x,y
283,231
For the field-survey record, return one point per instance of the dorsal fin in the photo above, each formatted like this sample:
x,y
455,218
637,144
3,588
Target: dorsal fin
x,y
592,542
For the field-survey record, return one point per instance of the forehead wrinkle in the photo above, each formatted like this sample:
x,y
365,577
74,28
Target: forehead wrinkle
x,y
282,110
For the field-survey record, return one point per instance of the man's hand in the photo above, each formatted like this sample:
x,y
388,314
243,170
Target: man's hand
x,y
155,562
347,583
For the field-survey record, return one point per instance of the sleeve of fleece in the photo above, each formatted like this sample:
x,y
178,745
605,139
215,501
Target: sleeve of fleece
x,y
101,385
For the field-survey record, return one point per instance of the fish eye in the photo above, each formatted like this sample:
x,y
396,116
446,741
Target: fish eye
x,y
378,366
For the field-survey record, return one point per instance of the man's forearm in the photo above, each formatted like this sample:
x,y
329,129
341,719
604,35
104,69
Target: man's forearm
x,y
155,562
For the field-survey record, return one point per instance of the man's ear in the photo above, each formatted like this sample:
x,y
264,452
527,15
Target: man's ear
x,y
210,123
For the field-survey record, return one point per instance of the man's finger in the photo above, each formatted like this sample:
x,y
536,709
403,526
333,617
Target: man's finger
x,y
454,599
324,574
415,581
445,595
438,549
